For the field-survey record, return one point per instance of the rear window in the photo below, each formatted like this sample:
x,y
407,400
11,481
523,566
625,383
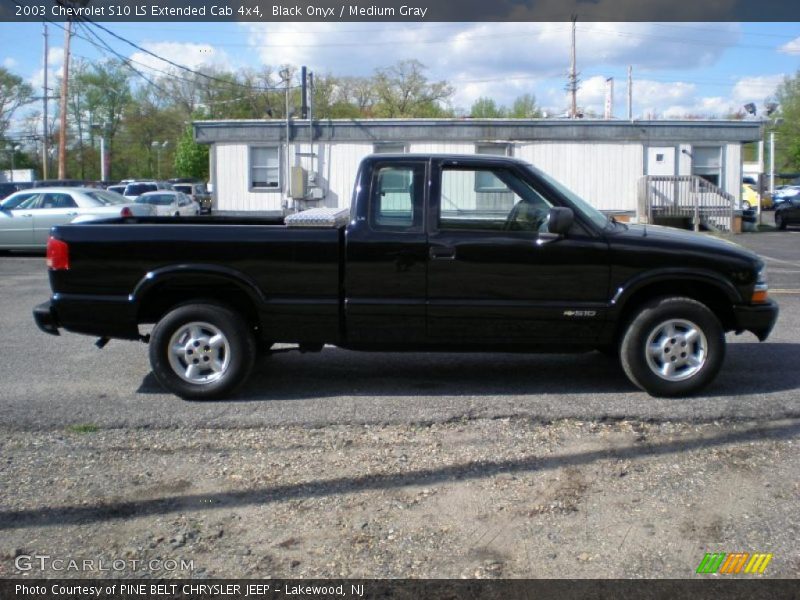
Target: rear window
x,y
107,198
157,199
137,189
186,189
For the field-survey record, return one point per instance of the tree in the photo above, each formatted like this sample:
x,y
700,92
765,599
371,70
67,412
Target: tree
x,y
191,158
788,130
486,108
14,92
403,90
524,107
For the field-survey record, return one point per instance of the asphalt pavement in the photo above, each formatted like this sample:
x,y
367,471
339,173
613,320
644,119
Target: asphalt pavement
x,y
51,382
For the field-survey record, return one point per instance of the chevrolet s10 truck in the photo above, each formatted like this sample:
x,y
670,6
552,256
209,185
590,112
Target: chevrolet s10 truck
x,y
450,253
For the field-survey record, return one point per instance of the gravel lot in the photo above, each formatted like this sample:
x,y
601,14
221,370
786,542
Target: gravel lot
x,y
394,465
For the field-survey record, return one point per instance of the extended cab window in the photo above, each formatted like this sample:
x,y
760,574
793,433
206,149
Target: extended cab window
x,y
511,205
397,198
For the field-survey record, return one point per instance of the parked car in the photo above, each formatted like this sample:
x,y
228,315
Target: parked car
x,y
197,192
418,265
788,213
117,189
170,203
27,216
7,189
784,193
751,198
137,188
59,183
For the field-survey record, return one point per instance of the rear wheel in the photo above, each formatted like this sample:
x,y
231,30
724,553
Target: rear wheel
x,y
673,347
202,351
780,223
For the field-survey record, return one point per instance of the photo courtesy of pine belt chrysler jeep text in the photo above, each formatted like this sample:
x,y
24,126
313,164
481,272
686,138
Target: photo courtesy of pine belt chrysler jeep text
x,y
438,252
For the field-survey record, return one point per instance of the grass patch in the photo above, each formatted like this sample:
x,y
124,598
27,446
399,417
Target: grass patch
x,y
83,428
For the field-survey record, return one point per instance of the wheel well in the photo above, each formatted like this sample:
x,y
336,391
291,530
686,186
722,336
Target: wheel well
x,y
165,296
710,295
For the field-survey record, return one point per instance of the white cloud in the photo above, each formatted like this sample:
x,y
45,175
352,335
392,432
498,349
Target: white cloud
x,y
756,89
189,54
9,63
792,47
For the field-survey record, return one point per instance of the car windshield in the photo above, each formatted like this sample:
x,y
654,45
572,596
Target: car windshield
x,y
107,198
578,203
157,199
137,189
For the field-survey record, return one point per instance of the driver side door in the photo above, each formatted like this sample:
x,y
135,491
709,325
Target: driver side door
x,y
495,276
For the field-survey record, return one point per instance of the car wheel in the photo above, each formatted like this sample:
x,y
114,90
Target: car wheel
x,y
674,346
780,223
202,351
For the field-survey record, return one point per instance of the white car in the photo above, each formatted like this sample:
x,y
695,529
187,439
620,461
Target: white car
x,y
27,216
169,203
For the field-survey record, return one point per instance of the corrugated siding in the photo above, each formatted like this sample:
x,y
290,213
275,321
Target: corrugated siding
x,y
233,180
604,174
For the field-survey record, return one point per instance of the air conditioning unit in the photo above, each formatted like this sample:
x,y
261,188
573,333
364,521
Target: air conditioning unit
x,y
298,183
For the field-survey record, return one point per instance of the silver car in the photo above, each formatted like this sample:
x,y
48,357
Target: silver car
x,y
27,216
168,203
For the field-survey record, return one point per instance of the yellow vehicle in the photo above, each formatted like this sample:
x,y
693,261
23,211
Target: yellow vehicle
x,y
750,198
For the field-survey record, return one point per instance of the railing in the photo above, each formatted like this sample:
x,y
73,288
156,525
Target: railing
x,y
686,198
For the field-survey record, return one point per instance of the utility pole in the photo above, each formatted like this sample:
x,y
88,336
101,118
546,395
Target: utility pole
x,y
45,100
630,93
572,86
771,162
62,134
609,108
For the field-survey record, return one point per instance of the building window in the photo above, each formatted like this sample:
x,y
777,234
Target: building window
x,y
389,148
707,163
484,180
265,168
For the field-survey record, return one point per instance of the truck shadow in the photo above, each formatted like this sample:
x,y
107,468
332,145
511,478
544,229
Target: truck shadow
x,y
750,368
100,512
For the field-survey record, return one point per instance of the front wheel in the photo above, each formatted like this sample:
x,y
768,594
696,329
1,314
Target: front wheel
x,y
673,347
202,351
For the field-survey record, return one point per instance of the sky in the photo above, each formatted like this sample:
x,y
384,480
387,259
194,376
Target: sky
x,y
679,69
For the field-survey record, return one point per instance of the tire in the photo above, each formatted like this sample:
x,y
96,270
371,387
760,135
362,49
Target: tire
x,y
673,331
780,223
213,339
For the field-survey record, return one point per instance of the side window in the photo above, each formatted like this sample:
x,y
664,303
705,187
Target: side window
x,y
397,197
519,207
58,201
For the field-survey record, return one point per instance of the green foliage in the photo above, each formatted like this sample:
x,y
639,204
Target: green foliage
x,y
14,92
524,107
486,108
787,138
191,158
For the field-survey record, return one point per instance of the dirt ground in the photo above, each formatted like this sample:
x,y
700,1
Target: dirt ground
x,y
486,498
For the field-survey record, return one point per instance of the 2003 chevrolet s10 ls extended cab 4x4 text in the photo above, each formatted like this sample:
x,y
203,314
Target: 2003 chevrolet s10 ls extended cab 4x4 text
x,y
454,253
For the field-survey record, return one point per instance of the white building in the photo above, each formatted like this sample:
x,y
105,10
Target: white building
x,y
601,160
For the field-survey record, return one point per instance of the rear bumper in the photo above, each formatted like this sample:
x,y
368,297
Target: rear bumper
x,y
46,318
758,318
103,316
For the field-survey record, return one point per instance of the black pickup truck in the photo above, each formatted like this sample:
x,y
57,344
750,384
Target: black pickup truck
x,y
452,253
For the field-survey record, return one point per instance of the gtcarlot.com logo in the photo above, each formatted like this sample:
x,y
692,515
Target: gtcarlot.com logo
x,y
45,562
734,563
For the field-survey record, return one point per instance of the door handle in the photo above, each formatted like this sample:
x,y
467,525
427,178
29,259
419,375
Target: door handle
x,y
72,214
442,253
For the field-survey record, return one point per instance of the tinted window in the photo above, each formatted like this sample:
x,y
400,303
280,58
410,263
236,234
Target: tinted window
x,y
137,189
20,201
397,197
58,200
186,189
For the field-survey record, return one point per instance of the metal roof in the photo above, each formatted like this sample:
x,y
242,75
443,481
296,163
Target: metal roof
x,y
478,130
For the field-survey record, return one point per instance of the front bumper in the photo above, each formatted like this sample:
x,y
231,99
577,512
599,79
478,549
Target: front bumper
x,y
46,319
757,318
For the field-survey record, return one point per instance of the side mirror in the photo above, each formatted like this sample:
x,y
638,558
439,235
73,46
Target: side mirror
x,y
560,220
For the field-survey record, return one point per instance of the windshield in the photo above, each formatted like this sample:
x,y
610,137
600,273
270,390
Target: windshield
x,y
157,199
578,203
137,189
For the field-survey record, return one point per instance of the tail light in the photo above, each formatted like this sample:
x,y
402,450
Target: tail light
x,y
126,212
57,254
